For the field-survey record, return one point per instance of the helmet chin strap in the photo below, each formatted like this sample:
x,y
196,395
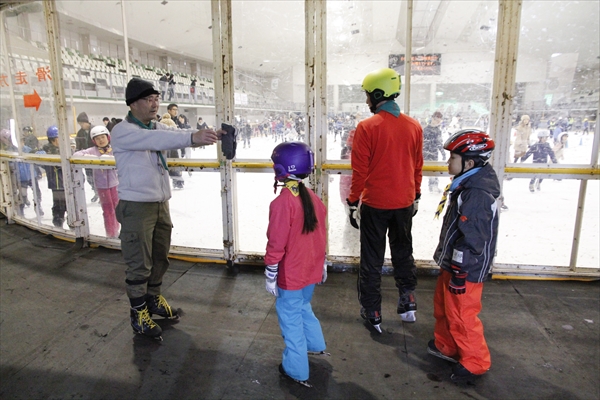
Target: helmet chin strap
x,y
286,182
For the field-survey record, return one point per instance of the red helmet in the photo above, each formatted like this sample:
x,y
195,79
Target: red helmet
x,y
471,143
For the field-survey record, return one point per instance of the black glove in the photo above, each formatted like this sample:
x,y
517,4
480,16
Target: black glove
x,y
353,213
416,204
457,283
229,141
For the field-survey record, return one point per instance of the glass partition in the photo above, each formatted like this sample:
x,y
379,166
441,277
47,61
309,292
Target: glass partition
x,y
589,251
269,82
538,227
269,101
557,79
39,191
255,193
452,65
196,212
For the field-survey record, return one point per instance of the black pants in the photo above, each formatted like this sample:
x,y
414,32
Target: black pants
x,y
59,207
374,224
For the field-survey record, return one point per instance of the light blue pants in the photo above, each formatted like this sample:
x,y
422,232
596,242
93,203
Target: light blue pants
x,y
300,329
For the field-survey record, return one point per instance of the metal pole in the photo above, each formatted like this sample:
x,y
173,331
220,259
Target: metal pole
x,y
70,185
503,88
309,59
125,40
581,200
224,108
408,56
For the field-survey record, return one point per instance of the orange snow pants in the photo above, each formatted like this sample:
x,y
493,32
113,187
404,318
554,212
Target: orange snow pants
x,y
458,331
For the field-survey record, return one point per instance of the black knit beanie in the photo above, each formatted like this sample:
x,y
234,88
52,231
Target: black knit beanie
x,y
83,118
138,88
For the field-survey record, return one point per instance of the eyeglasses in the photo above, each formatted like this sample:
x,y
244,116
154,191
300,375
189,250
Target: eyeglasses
x,y
151,99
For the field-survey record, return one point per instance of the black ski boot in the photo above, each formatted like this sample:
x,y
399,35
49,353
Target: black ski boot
x,y
142,324
158,305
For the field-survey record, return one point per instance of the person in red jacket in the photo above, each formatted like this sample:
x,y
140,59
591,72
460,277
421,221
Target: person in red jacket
x,y
387,159
295,258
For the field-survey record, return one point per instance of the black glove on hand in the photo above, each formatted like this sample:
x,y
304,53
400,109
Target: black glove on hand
x,y
353,213
457,283
416,204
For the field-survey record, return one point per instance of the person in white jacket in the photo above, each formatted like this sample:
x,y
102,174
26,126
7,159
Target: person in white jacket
x,y
138,143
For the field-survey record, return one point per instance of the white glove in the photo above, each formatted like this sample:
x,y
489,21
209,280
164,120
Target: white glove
x,y
271,272
354,213
324,272
416,204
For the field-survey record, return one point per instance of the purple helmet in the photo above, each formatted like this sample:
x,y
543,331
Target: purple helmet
x,y
292,158
52,132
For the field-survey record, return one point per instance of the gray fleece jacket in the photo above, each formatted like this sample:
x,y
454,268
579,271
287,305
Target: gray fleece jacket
x,y
142,176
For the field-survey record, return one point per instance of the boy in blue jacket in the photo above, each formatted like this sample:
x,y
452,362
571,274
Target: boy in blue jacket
x,y
541,151
465,253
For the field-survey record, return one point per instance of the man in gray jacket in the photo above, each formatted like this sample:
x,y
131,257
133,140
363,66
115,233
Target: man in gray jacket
x,y
138,143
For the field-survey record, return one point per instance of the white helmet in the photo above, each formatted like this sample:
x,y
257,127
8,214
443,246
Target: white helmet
x,y
99,130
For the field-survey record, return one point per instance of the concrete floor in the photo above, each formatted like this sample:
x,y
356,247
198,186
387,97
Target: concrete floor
x,y
65,333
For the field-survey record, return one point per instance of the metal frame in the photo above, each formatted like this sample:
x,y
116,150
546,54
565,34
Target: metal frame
x,y
225,111
316,128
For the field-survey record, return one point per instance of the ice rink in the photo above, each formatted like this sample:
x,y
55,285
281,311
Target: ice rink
x,y
536,230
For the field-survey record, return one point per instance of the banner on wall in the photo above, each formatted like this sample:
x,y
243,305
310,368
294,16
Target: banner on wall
x,y
422,64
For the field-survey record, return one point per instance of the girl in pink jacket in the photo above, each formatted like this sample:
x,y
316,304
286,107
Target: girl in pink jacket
x,y
295,258
105,180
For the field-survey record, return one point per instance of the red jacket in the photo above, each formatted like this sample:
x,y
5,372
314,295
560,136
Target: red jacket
x,y
387,159
300,256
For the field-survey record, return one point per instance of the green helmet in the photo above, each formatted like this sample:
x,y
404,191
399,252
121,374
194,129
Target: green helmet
x,y
386,79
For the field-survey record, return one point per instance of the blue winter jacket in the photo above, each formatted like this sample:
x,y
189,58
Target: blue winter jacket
x,y
470,228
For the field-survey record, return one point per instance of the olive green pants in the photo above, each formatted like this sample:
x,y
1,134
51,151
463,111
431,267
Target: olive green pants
x,y
145,242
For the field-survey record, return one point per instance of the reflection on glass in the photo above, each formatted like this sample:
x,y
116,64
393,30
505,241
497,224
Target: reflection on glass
x,y
269,82
452,68
538,227
254,195
344,240
196,212
28,71
557,74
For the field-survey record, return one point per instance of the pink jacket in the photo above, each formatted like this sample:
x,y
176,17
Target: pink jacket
x,y
103,178
300,256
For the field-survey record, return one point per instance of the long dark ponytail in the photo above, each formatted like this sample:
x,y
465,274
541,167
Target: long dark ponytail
x,y
310,218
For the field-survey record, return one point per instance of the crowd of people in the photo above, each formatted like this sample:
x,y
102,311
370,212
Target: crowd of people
x,y
386,151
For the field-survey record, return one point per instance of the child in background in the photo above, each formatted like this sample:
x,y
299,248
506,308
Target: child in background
x,y
295,258
561,145
541,151
30,145
465,253
54,174
105,180
174,172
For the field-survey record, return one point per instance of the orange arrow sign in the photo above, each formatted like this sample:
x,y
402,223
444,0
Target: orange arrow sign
x,y
32,100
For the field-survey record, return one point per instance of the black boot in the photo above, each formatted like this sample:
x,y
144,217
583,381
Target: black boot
x,y
142,324
374,318
158,305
